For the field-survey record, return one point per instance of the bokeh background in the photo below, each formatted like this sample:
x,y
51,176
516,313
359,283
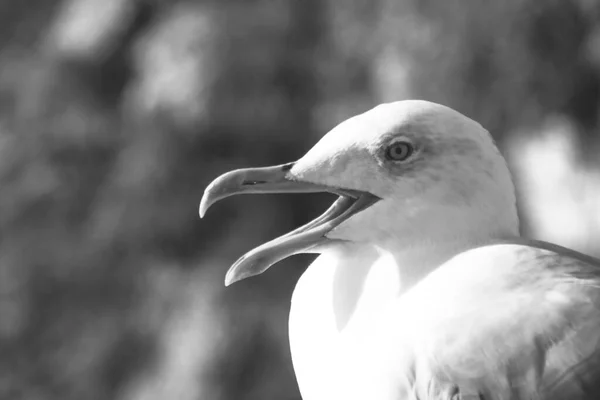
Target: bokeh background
x,y
115,114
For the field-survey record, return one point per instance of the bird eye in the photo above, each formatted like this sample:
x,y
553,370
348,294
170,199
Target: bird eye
x,y
399,151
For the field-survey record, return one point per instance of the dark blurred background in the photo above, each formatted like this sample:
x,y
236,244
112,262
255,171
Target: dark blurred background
x,y
115,114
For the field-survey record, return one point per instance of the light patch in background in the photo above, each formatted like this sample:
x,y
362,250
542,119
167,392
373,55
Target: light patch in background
x,y
559,195
174,65
394,65
191,338
85,28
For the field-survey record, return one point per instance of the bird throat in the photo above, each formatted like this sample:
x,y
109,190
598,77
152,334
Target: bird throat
x,y
338,300
344,295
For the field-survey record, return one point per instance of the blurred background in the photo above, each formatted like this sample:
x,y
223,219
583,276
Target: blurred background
x,y
115,114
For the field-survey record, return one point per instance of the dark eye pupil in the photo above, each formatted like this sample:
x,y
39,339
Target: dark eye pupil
x,y
399,151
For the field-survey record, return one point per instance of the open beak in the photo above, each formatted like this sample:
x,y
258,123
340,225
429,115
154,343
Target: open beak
x,y
277,179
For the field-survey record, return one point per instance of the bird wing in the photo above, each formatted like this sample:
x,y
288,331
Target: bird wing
x,y
510,321
572,368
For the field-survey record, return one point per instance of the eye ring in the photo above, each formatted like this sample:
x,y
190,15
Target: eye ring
x,y
399,150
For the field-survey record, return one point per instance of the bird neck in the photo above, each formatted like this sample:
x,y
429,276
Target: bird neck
x,y
416,261
433,236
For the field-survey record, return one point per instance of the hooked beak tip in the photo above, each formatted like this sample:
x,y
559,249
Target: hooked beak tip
x,y
240,181
218,189
229,278
236,274
229,281
203,206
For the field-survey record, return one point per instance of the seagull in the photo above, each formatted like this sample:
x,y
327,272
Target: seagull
x,y
424,288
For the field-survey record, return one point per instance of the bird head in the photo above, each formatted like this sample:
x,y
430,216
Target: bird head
x,y
407,173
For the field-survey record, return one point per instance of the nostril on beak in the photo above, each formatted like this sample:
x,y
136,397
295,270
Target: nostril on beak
x,y
252,183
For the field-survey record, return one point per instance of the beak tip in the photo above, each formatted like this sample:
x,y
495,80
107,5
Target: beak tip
x,y
205,204
232,277
239,271
202,209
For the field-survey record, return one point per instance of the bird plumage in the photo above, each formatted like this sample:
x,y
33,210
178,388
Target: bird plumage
x,y
514,320
424,289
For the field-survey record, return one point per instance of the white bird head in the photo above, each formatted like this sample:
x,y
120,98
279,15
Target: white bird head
x,y
408,173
